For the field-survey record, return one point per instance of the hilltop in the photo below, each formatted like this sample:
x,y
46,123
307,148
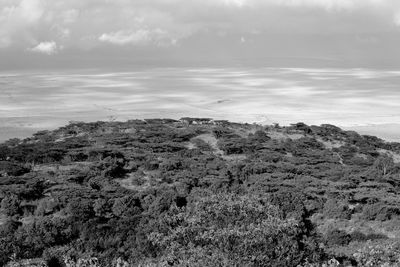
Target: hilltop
x,y
199,192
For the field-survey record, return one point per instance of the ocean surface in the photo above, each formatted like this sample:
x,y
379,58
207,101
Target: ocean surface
x,y
367,100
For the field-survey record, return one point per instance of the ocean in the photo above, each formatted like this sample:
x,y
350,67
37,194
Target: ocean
x,y
367,100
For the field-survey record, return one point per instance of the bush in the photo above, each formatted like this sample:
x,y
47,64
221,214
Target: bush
x,y
4,152
337,237
233,145
377,211
226,229
291,204
372,255
54,257
151,165
80,209
334,209
11,205
222,132
201,144
12,169
41,234
358,236
112,167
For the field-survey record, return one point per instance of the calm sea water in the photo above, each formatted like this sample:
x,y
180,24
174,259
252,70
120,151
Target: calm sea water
x,y
346,97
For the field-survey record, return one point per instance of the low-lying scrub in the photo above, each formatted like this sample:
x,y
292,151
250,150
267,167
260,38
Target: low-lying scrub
x,y
198,192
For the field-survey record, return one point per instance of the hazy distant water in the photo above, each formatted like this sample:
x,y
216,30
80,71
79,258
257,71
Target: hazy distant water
x,y
345,97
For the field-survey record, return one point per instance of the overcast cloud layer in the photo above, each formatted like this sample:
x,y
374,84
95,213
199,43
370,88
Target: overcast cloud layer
x,y
348,31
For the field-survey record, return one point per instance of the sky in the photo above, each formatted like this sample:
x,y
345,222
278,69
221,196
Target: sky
x,y
117,33
334,61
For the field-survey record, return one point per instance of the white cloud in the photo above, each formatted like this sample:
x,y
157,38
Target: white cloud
x,y
141,36
396,19
238,3
48,48
30,10
4,41
73,23
17,19
324,4
123,37
70,16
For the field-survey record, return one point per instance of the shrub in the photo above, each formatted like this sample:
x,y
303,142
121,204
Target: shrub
x,y
334,209
337,237
80,209
259,136
112,167
233,145
151,165
377,211
127,206
358,236
11,205
12,169
222,132
201,144
41,234
54,257
291,204
372,255
4,152
221,230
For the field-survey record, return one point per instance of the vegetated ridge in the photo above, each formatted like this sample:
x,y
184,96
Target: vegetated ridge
x,y
199,192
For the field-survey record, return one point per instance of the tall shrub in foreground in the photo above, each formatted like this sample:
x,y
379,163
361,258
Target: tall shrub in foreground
x,y
230,230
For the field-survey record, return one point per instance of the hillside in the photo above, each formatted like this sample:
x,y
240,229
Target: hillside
x,y
199,192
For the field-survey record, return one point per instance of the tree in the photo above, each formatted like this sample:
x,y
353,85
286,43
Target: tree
x,y
384,163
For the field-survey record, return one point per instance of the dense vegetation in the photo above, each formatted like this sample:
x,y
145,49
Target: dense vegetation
x,y
198,192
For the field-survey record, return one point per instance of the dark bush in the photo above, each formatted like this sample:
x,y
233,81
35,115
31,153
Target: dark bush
x,y
4,152
358,236
222,132
335,209
337,237
10,205
259,136
151,165
377,211
289,203
233,146
12,169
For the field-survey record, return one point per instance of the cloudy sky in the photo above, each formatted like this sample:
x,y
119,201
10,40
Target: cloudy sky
x,y
98,33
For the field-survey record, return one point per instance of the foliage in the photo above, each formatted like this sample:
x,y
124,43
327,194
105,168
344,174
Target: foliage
x,y
230,230
378,211
12,169
198,192
378,255
337,237
10,205
334,209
